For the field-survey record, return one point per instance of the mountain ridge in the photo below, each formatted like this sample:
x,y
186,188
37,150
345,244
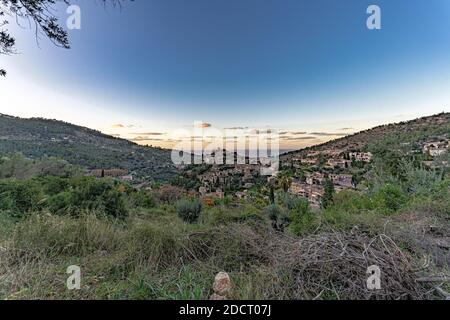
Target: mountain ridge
x,y
88,148
379,132
93,150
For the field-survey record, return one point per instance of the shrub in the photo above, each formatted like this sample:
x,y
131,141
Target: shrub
x,y
291,202
59,203
189,210
280,220
273,212
19,167
352,201
114,204
301,217
89,194
390,197
419,180
169,194
52,185
143,200
20,197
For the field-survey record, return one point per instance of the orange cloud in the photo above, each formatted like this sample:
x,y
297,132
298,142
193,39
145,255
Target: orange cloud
x,y
203,125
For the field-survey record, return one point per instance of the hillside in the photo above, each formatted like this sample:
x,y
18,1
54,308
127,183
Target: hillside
x,y
36,138
394,135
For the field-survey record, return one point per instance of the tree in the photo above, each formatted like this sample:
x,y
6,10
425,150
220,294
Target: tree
x,y
285,183
271,195
321,160
41,14
327,199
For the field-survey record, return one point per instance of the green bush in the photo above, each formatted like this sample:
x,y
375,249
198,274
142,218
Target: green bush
x,y
420,180
390,197
353,202
52,185
114,204
19,167
19,198
278,216
189,210
71,196
142,199
273,212
301,217
60,203
89,194
286,200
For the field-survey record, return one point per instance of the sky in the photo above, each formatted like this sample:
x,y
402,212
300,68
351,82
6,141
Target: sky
x,y
310,69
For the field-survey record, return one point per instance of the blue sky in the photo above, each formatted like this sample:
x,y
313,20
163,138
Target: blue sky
x,y
313,66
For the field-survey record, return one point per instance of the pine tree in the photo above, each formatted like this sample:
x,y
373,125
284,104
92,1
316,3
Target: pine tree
x,y
271,195
327,199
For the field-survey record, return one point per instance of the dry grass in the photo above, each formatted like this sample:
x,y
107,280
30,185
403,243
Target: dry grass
x,y
161,257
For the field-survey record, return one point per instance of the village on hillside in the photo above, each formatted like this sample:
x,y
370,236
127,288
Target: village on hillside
x,y
307,171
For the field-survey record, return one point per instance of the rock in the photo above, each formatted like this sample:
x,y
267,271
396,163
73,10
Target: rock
x,y
222,284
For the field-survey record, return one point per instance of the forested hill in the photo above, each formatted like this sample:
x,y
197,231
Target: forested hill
x,y
391,136
37,138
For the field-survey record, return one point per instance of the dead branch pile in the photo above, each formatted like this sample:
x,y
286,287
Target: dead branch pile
x,y
330,265
336,265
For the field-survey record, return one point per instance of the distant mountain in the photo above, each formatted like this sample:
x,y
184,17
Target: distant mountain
x,y
392,136
37,138
90,149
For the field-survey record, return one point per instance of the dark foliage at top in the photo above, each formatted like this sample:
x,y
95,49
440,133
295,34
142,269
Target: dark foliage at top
x,y
38,13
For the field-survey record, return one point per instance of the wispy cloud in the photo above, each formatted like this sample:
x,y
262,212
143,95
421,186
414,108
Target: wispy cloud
x,y
148,133
298,133
328,134
236,128
146,138
299,138
121,126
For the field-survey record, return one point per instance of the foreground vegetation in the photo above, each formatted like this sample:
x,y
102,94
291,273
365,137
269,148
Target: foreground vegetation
x,y
166,244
